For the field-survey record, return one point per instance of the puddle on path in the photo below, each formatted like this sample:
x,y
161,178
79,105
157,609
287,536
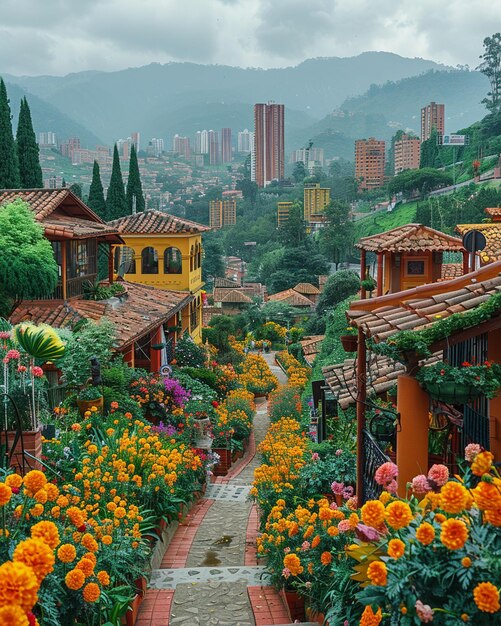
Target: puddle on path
x,y
211,556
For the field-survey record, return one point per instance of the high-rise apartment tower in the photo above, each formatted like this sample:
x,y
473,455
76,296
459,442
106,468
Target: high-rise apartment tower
x,y
268,154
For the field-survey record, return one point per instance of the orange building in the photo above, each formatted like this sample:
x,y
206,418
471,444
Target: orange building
x,y
407,154
369,163
432,116
268,155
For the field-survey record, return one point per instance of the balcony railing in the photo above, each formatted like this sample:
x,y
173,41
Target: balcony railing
x,y
373,457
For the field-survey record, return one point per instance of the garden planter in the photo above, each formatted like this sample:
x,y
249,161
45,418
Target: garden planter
x,y
32,443
140,585
349,342
315,616
295,604
452,393
86,405
224,464
130,617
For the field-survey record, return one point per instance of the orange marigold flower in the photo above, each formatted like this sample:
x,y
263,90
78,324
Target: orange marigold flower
x,y
373,513
14,480
493,516
454,534
104,578
76,516
482,463
13,616
87,567
310,568
486,597
425,533
315,541
91,592
440,518
48,532
396,548
74,579
398,514
89,542
309,532
107,540
34,481
487,495
5,494
67,553
326,558
369,618
377,573
294,529
465,617
41,496
332,531
52,491
36,554
293,564
18,585
453,497
466,561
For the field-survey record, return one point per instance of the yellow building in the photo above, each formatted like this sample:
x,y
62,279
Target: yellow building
x,y
283,209
222,213
316,198
165,252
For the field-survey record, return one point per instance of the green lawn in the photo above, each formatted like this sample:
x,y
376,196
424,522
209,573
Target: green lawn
x,y
403,214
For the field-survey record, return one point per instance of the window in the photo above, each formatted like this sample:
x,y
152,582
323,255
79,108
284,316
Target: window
x,y
173,262
82,258
149,261
125,263
199,256
192,258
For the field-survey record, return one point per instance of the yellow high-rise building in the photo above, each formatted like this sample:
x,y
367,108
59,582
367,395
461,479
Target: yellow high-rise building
x,y
283,209
316,198
222,213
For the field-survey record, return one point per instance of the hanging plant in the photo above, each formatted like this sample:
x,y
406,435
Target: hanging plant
x,y
457,385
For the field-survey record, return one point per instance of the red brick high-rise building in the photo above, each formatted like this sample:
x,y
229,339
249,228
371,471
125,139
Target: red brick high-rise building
x,y
226,153
214,153
369,163
406,154
432,116
268,154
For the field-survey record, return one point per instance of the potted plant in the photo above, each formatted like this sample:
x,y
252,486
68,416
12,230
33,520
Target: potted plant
x,y
350,339
89,397
459,385
368,284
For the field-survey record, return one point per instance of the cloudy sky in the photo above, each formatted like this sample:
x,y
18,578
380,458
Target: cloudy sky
x,y
62,36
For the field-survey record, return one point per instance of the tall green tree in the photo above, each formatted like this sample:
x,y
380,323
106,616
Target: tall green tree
x,y
293,231
336,238
30,171
134,187
116,202
9,164
429,150
96,199
491,67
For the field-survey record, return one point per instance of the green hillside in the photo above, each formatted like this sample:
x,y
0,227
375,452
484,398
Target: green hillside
x,y
380,222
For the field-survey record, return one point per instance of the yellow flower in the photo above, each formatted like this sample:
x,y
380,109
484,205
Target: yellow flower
x,y
453,534
48,532
14,480
18,585
425,533
396,548
106,539
377,573
486,597
398,514
373,513
487,495
36,554
482,463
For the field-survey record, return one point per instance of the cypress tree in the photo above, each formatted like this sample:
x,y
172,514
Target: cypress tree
x,y
30,171
96,199
116,202
134,187
9,166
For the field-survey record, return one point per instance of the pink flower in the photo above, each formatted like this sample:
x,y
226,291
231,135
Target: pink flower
x,y
385,473
308,584
471,451
4,334
305,546
287,550
420,484
339,452
392,487
352,503
315,456
37,371
439,474
5,360
347,492
333,506
13,354
367,533
344,525
424,612
286,572
21,368
337,488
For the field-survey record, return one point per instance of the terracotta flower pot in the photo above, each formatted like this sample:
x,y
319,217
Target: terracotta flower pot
x,y
86,405
32,444
295,604
349,342
225,461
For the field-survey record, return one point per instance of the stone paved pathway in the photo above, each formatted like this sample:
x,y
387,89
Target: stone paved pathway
x,y
209,575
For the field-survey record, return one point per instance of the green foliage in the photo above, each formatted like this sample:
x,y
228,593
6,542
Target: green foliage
x,y
299,172
338,287
485,379
293,232
213,264
27,265
116,202
96,199
134,187
423,180
285,402
198,388
30,171
280,312
336,238
491,67
316,477
187,353
96,291
9,164
300,264
429,151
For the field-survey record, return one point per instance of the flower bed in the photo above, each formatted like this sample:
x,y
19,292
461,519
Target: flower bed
x,y
256,376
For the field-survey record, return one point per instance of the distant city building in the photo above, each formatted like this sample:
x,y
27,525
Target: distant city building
x,y
214,155
316,198
123,147
268,153
204,142
135,138
155,147
244,141
369,163
233,193
47,139
314,156
67,147
432,116
283,210
226,152
222,213
197,146
54,182
181,146
406,154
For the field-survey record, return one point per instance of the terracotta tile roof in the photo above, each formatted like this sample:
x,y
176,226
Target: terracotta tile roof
x,y
291,297
307,289
311,347
382,375
492,233
493,211
62,214
155,222
249,291
225,282
322,279
141,311
451,270
410,238
236,296
413,313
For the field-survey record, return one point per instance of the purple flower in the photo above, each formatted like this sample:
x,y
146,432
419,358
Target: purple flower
x,y
179,395
347,492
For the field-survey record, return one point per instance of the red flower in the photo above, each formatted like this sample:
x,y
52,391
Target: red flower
x,y
215,404
466,364
442,372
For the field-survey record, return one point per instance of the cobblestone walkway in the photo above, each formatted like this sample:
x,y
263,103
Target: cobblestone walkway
x,y
209,575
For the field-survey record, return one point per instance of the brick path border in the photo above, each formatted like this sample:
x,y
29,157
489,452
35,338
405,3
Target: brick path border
x,y
155,608
267,606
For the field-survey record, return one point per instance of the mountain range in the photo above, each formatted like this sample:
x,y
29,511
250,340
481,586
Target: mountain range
x,y
382,91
